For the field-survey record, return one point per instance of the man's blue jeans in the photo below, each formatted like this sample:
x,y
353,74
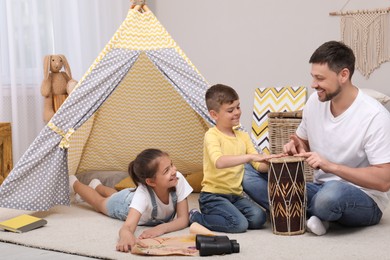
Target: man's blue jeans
x,y
228,213
331,201
342,202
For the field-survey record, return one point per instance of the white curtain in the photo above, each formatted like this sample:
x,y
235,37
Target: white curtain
x,y
31,29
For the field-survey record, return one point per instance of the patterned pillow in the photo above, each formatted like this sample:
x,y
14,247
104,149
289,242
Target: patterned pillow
x,y
125,183
382,98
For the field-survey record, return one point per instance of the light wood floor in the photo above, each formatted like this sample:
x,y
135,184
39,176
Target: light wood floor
x,y
14,252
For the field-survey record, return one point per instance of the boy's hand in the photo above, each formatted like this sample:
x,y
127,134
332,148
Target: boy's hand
x,y
265,158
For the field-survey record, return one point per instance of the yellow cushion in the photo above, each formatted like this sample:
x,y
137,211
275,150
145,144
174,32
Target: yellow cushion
x,y
193,179
125,183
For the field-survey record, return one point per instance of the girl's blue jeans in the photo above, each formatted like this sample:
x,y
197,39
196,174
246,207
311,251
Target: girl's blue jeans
x,y
228,213
331,201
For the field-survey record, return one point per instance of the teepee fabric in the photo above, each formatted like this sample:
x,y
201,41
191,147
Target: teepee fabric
x,y
273,99
141,92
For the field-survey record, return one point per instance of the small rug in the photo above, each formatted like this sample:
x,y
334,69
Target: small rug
x,y
79,230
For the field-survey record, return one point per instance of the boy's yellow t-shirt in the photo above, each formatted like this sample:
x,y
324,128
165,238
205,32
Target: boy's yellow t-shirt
x,y
216,144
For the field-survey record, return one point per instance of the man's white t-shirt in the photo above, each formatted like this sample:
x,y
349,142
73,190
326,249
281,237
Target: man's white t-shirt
x,y
143,203
357,138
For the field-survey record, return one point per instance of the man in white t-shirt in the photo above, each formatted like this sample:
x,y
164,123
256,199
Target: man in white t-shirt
x,y
344,135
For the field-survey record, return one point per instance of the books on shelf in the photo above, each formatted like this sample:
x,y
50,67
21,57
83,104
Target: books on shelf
x,y
22,223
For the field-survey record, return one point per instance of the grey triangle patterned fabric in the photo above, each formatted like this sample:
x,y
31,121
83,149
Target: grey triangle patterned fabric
x,y
40,178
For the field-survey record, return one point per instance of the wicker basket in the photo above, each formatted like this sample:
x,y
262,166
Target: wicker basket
x,y
280,126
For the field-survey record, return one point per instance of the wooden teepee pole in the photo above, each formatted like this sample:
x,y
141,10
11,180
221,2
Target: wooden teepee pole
x,y
139,5
384,10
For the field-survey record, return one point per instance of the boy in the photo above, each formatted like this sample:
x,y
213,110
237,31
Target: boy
x,y
225,152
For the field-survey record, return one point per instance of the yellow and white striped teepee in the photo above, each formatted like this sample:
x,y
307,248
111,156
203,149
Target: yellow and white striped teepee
x,y
141,92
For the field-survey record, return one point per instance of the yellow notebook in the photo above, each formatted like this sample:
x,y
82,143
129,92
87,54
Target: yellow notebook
x,y
22,223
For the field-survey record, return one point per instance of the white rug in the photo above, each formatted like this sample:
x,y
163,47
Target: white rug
x,y
80,230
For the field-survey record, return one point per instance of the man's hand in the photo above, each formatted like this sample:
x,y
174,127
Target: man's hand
x,y
295,146
317,162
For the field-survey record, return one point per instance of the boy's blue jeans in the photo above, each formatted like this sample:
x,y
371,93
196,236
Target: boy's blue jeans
x,y
255,184
330,201
228,213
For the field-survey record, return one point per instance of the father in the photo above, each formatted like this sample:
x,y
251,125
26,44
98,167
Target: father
x,y
344,135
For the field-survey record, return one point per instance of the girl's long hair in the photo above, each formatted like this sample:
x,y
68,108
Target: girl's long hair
x,y
145,165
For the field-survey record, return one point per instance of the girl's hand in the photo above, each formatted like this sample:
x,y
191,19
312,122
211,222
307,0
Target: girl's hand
x,y
126,234
152,232
127,240
180,222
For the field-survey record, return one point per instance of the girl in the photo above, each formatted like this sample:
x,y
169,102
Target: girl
x,y
161,193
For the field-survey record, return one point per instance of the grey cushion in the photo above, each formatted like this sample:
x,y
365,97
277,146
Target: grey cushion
x,y
108,178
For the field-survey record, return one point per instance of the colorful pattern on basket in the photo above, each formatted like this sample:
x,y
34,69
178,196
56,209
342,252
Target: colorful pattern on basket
x,y
273,99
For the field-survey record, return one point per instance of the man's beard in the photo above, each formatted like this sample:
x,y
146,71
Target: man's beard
x,y
330,96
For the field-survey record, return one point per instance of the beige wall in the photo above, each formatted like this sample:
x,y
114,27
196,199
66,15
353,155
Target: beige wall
x,y
258,43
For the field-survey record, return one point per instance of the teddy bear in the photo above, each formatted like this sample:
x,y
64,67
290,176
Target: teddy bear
x,y
56,85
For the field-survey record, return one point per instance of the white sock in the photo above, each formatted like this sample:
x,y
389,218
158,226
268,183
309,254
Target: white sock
x,y
78,199
72,180
316,226
94,183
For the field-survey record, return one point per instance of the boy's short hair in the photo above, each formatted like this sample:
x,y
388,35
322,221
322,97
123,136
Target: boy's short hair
x,y
337,55
220,94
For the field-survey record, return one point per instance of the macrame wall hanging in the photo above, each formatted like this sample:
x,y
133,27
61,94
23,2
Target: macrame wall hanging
x,y
367,32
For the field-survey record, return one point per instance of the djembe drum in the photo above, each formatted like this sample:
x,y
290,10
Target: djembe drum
x,y
287,195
